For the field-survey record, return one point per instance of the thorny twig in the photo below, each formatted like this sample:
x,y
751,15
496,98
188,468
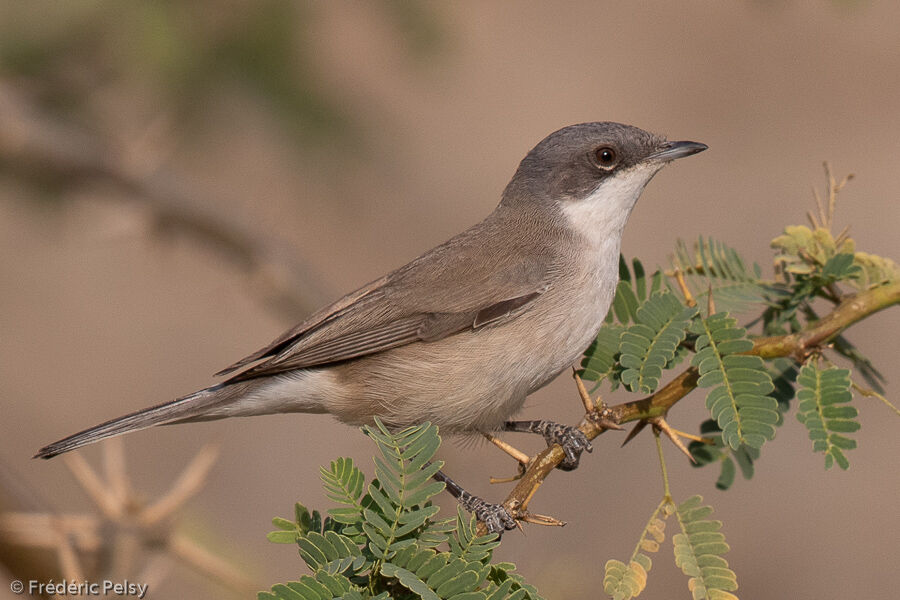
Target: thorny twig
x,y
797,345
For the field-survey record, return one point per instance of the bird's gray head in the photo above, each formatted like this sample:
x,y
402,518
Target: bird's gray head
x,y
592,172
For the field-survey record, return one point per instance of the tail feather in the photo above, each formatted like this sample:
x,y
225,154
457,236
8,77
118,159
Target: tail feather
x,y
186,408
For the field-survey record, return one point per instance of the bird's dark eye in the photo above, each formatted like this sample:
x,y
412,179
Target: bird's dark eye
x,y
606,157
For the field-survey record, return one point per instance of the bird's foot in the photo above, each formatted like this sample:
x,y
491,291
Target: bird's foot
x,y
496,517
571,439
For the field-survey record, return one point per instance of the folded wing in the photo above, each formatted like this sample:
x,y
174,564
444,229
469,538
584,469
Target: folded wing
x,y
471,281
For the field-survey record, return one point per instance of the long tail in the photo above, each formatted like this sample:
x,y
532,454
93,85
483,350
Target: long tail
x,y
194,407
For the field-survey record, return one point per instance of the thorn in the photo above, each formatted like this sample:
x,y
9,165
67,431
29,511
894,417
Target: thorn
x,y
602,417
518,455
519,527
659,424
544,520
516,477
608,424
832,193
820,203
845,181
682,285
638,427
582,391
820,206
812,219
710,304
509,479
842,236
692,437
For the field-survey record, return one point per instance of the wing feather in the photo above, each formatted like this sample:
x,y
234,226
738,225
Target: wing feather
x,y
350,346
481,277
315,320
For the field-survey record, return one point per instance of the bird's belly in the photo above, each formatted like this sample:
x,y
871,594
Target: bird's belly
x,y
475,380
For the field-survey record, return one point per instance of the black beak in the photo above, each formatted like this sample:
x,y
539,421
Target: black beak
x,y
672,150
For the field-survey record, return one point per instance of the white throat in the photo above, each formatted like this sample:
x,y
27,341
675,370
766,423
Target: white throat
x,y
600,217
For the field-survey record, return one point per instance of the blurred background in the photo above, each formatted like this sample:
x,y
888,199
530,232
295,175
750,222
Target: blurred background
x,y
179,182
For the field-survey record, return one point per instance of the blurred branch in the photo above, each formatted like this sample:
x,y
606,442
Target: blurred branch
x,y
185,487
126,525
16,499
47,151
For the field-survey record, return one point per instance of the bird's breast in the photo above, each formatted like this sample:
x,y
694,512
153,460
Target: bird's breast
x,y
476,379
569,320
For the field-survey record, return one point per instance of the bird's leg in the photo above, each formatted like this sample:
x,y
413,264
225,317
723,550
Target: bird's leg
x,y
494,516
521,458
571,439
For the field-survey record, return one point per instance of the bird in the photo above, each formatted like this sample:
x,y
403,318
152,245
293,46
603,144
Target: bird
x,y
464,333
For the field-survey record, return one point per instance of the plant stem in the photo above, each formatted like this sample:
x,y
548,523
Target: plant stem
x,y
798,345
847,313
873,394
667,495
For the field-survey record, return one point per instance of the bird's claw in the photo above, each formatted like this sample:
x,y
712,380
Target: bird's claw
x,y
496,517
572,440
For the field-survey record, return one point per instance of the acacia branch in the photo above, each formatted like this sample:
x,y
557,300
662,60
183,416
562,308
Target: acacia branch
x,y
797,345
848,312
45,150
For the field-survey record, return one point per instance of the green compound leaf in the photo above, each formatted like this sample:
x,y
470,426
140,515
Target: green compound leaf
x,y
601,358
396,509
433,575
802,251
632,290
738,401
874,270
648,346
731,461
467,544
410,581
331,551
510,583
289,531
711,266
862,365
344,484
784,377
324,586
382,544
840,267
623,582
822,409
698,552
